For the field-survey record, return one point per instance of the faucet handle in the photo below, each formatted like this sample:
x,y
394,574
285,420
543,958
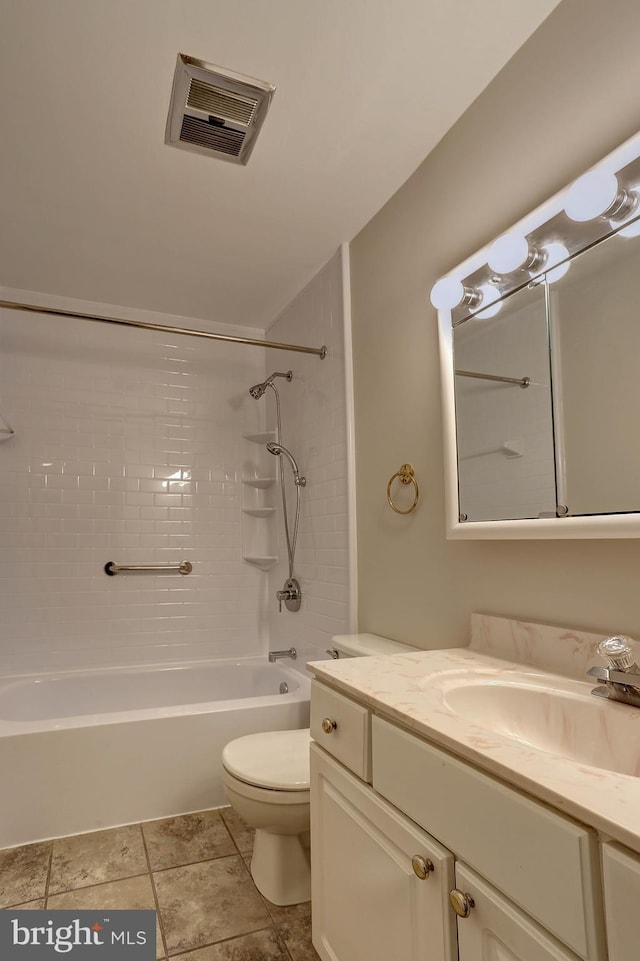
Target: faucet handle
x,y
619,651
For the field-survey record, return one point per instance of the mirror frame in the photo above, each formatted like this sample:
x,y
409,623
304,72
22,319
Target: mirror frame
x,y
587,527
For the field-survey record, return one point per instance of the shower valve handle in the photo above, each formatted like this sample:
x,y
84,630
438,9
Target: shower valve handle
x,y
291,594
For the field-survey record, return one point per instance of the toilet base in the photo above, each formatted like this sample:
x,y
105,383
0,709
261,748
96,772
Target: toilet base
x,y
280,868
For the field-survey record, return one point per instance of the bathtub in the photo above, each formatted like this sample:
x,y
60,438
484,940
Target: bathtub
x,y
81,751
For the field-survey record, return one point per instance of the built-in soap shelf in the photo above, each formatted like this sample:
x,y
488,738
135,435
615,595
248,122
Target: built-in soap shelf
x,y
262,483
259,538
264,563
264,438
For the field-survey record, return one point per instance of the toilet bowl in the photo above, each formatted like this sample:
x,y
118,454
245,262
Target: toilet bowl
x,y
266,779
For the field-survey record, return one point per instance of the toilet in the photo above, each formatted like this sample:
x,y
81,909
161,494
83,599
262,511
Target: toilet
x,y
266,779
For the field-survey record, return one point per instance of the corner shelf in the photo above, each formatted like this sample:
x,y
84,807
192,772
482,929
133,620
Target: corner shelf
x,y
260,482
263,438
258,509
264,563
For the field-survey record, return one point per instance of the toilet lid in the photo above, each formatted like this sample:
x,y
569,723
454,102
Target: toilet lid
x,y
274,759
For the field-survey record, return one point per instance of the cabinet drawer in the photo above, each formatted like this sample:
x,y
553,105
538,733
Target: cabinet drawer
x,y
544,862
350,740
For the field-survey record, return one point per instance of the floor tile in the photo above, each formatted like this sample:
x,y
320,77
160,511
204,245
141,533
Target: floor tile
x,y
23,873
37,905
88,859
288,912
241,833
186,839
296,934
130,893
207,902
259,946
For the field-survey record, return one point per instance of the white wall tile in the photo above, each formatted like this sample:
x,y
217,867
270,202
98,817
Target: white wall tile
x,y
314,429
105,433
129,447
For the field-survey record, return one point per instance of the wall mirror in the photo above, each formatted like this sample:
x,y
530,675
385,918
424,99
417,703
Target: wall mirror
x,y
540,363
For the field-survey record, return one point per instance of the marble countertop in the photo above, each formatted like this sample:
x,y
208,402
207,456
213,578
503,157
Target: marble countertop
x,y
414,690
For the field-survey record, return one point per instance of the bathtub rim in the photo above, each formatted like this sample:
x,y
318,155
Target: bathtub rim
x,y
10,728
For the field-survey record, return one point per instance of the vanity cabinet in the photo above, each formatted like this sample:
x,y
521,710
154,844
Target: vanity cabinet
x,y
533,875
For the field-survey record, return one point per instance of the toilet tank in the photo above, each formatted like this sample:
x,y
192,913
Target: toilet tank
x,y
361,645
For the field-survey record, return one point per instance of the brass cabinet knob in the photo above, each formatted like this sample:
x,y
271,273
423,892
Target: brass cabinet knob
x,y
422,867
328,726
461,903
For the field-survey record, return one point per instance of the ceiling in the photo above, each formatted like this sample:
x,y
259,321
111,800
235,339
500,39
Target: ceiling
x,y
95,206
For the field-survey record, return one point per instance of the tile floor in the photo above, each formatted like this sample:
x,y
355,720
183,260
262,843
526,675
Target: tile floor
x,y
193,870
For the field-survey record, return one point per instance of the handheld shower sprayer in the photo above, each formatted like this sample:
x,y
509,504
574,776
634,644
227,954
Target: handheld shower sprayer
x,y
291,593
277,450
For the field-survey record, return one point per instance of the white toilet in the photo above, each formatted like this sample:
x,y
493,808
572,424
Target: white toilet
x,y
266,777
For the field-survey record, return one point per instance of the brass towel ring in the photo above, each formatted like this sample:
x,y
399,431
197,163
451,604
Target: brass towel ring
x,y
406,475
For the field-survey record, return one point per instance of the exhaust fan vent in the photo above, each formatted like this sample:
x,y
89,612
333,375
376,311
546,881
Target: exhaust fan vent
x,y
215,111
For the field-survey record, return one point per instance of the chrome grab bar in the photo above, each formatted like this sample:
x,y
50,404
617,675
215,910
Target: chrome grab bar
x,y
111,568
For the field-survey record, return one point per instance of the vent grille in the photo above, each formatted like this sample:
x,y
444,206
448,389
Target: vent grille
x,y
208,135
214,111
216,101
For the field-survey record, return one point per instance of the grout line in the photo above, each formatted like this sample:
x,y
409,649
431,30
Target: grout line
x,y
48,879
165,950
212,944
284,946
95,884
228,830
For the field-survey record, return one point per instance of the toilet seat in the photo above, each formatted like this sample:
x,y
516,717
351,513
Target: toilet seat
x,y
273,760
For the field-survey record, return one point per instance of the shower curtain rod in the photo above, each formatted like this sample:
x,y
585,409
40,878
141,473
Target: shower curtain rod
x,y
144,325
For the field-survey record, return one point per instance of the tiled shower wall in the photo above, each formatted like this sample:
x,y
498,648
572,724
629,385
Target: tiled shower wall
x,y
127,448
314,428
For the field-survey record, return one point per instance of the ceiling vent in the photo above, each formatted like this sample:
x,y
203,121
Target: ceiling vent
x,y
215,111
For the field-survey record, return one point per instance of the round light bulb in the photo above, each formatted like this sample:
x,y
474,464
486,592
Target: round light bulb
x,y
591,195
447,293
489,294
556,254
508,253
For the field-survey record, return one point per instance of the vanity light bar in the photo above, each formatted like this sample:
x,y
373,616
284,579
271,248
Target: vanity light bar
x,y
604,200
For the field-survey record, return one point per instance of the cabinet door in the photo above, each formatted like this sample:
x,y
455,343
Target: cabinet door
x,y
496,930
368,904
621,872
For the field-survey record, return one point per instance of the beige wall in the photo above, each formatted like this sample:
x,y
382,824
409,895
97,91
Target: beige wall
x,y
565,100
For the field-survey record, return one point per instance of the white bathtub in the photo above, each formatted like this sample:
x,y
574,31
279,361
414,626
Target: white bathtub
x,y
84,750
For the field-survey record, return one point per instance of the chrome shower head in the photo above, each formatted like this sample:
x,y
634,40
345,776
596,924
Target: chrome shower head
x,y
277,450
258,389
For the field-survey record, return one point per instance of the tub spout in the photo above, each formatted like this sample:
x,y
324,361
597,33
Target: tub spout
x,y
276,655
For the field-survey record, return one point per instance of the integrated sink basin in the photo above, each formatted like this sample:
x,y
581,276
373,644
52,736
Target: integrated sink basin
x,y
548,713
